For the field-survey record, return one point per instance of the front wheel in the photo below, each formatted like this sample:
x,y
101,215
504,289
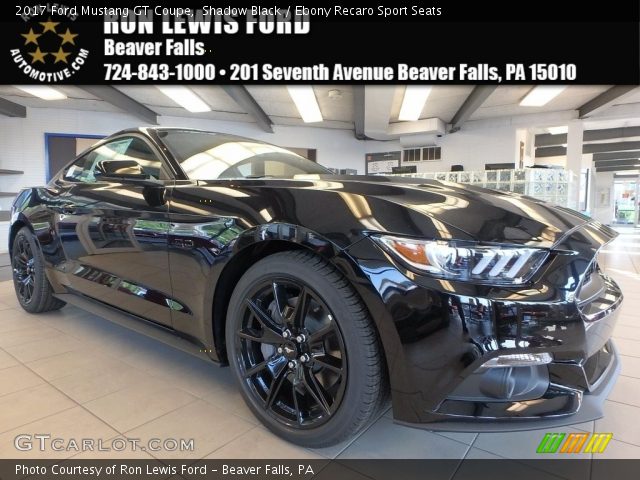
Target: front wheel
x,y
30,281
304,350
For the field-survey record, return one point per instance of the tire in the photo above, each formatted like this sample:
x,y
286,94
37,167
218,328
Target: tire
x,y
337,385
30,281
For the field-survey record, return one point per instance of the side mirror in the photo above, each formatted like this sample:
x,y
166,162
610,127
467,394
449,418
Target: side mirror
x,y
120,170
125,176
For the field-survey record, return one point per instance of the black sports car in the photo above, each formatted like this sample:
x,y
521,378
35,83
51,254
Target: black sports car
x,y
474,309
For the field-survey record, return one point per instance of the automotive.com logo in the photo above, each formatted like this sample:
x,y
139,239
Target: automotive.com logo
x,y
574,443
47,47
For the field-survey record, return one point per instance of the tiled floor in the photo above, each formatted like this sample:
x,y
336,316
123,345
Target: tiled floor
x,y
75,375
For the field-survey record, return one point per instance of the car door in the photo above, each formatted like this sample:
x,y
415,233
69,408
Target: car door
x,y
113,224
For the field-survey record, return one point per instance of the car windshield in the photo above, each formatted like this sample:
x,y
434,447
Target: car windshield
x,y
211,156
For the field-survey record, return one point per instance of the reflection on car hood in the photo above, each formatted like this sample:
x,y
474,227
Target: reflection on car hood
x,y
486,215
414,207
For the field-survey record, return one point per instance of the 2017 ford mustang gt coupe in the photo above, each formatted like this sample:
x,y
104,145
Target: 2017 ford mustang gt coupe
x,y
474,310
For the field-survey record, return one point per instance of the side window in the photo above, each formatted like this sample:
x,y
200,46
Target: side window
x,y
139,151
79,171
129,154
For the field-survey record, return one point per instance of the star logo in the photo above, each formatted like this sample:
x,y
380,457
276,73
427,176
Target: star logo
x,y
68,37
48,50
37,56
31,37
49,26
61,56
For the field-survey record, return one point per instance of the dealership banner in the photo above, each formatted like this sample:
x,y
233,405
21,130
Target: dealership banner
x,y
433,43
502,469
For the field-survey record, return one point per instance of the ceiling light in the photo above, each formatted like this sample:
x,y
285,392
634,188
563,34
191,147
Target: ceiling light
x,y
184,97
558,130
413,102
42,91
306,102
541,95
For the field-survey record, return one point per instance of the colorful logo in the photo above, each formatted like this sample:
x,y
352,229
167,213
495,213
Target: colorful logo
x,y
574,443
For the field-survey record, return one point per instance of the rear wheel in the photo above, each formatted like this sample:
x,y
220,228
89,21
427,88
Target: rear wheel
x,y
304,350
32,287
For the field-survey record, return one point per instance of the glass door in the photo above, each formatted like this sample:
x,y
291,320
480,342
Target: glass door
x,y
626,202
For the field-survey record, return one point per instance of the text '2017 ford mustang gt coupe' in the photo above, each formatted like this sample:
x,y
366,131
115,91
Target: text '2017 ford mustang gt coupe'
x,y
475,310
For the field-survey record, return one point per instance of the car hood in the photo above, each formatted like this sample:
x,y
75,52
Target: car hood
x,y
482,214
347,207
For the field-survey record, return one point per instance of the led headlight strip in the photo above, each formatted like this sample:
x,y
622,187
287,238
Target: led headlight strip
x,y
456,260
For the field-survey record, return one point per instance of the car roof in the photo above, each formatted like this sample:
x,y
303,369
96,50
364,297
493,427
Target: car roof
x,y
148,130
158,129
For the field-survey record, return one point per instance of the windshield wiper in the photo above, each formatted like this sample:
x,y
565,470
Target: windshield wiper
x,y
259,176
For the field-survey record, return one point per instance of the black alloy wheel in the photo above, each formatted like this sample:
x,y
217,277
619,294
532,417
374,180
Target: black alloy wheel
x,y
304,350
291,352
30,281
23,269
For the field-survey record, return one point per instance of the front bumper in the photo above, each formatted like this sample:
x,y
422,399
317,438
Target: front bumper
x,y
560,406
437,335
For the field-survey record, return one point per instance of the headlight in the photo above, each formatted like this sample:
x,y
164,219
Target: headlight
x,y
456,260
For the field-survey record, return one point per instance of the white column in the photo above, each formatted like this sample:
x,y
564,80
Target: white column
x,y
574,158
587,162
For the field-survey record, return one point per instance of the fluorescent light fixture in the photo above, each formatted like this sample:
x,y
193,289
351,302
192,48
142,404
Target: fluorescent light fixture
x,y
184,97
558,130
413,102
541,95
306,102
42,91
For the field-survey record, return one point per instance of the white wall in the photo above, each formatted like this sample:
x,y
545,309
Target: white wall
x,y
527,137
472,147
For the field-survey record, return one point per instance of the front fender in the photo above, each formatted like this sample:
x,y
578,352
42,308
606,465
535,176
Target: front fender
x,y
285,232
245,250
31,208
